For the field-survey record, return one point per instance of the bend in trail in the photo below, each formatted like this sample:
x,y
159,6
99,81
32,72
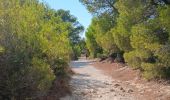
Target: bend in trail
x,y
91,84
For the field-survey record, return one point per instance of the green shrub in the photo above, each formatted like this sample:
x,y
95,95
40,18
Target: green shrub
x,y
101,56
41,73
34,49
132,60
152,71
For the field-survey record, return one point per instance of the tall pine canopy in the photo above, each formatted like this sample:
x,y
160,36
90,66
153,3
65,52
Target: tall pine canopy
x,y
132,31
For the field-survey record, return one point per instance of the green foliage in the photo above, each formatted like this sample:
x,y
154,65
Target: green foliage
x,y
100,6
163,55
150,38
133,60
35,48
82,45
130,13
142,37
105,14
41,73
91,43
100,33
77,52
160,67
75,29
141,31
152,71
101,56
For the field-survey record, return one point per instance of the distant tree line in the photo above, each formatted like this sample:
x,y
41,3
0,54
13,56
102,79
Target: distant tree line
x,y
133,31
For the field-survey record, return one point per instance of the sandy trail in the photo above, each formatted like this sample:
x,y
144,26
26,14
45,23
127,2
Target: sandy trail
x,y
91,84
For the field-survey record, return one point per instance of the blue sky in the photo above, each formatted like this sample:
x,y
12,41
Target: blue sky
x,y
75,8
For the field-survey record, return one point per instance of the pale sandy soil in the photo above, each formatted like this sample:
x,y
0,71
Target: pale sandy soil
x,y
90,83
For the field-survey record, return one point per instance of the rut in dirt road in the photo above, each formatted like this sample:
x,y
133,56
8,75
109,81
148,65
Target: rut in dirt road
x,y
91,84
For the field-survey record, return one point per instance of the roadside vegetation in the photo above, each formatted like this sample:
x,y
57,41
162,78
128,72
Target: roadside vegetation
x,y
37,42
36,45
136,32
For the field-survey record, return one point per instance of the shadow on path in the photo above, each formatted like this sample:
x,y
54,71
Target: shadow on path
x,y
80,64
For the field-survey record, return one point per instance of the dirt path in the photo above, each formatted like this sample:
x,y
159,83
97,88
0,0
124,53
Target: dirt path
x,y
91,84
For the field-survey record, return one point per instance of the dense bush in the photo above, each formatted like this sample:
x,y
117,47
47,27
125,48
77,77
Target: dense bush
x,y
35,48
